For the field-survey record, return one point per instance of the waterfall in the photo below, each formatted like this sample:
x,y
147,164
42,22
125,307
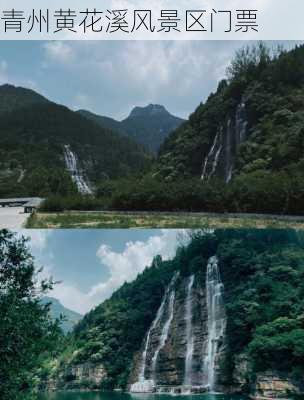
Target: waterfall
x,y
164,334
241,123
206,162
71,164
216,320
215,161
189,334
228,153
144,385
220,159
235,138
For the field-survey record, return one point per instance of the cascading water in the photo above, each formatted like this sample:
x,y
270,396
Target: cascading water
x,y
78,179
241,123
144,385
216,320
228,152
220,159
189,334
205,174
164,334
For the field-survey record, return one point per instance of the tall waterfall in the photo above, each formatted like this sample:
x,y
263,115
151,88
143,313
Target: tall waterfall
x,y
189,334
216,320
164,334
144,385
72,167
205,174
241,123
229,136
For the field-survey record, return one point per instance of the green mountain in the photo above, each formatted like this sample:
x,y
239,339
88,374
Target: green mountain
x,y
13,98
47,148
104,122
58,311
148,126
241,151
252,126
239,290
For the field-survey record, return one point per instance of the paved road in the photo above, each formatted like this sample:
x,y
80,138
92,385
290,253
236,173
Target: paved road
x,y
12,217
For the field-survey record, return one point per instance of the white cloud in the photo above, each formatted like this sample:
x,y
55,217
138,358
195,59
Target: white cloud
x,y
122,266
126,265
73,298
59,51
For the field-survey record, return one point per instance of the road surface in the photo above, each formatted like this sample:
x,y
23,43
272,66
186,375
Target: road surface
x,y
12,217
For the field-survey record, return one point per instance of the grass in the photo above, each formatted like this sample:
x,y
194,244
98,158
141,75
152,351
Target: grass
x,y
105,219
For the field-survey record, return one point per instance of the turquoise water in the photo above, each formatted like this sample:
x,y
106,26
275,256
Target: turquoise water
x,y
126,396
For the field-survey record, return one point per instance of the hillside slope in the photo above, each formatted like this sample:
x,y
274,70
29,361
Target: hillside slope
x,y
33,144
148,126
58,311
252,124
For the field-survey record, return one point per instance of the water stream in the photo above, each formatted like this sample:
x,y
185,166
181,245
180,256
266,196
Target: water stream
x,y
189,334
72,167
216,320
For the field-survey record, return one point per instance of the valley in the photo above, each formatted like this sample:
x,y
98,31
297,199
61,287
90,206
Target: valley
x,y
239,152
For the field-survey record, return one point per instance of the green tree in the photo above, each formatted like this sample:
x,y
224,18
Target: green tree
x,y
26,330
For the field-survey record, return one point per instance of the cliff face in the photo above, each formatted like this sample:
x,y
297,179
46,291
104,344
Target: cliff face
x,y
229,323
78,376
185,345
185,349
273,385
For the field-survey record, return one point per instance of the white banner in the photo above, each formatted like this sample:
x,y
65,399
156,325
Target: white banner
x,y
151,20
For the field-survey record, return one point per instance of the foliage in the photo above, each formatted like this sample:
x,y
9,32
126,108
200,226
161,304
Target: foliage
x,y
271,84
262,271
32,139
26,330
254,192
147,126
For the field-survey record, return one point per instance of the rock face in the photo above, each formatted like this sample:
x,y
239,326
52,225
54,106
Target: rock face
x,y
220,159
271,385
184,343
78,376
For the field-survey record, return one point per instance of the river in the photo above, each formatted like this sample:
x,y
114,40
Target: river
x,y
126,396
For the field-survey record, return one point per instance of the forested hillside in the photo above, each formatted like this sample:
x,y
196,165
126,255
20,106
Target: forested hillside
x,y
262,273
270,89
241,150
32,139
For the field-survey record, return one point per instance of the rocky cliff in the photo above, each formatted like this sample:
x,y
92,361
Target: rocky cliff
x,y
77,376
273,385
226,315
185,345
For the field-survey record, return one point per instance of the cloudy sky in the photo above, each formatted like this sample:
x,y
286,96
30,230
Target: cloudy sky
x,y
91,264
110,78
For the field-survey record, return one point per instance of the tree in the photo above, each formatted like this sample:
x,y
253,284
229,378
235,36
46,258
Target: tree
x,y
26,329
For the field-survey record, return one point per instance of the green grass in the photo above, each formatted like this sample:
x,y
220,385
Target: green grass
x,y
90,220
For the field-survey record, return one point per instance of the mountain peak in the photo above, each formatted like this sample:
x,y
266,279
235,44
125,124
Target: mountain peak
x,y
151,109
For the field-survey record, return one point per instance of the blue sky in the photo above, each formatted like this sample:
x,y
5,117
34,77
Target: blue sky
x,y
91,264
110,78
